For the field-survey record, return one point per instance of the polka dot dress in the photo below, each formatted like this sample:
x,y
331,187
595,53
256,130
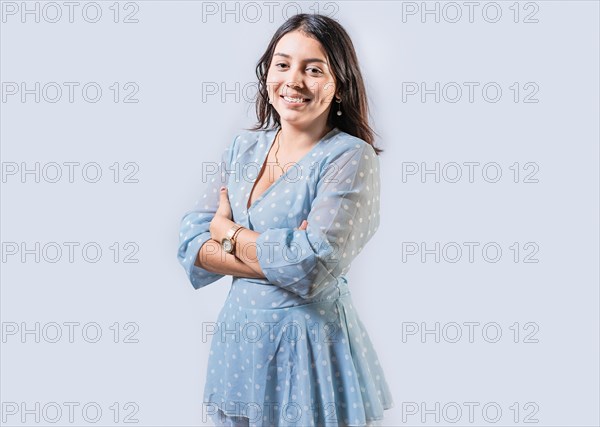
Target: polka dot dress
x,y
290,349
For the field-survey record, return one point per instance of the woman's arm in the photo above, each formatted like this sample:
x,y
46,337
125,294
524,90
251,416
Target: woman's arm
x,y
213,258
245,249
245,262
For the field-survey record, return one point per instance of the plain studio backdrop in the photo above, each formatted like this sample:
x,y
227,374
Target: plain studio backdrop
x,y
479,289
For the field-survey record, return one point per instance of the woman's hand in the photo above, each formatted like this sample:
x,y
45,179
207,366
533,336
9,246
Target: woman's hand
x,y
224,208
222,220
303,225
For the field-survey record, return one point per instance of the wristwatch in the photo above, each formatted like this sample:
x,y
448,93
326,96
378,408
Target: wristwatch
x,y
228,242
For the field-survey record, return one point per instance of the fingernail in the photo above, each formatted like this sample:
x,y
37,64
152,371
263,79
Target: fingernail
x,y
222,188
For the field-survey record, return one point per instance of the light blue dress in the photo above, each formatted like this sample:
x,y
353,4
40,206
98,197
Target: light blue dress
x,y
290,350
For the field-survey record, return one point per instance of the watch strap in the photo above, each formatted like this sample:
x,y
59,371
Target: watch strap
x,y
236,232
232,230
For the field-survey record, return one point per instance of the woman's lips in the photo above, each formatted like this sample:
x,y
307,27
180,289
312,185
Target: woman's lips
x,y
290,101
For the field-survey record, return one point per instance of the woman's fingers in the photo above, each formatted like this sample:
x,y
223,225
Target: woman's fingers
x,y
224,207
303,225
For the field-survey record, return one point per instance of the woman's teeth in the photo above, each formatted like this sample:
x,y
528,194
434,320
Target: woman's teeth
x,y
294,100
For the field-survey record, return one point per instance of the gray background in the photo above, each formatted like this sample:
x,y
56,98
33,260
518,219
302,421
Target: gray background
x,y
170,54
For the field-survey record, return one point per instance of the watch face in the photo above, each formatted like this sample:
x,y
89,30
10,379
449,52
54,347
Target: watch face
x,y
227,245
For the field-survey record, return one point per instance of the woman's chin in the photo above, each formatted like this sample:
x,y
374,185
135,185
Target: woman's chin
x,y
294,118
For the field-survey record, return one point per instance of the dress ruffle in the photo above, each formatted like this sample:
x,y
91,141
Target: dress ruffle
x,y
307,365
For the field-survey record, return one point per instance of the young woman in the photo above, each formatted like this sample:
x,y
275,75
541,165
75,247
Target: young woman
x,y
294,201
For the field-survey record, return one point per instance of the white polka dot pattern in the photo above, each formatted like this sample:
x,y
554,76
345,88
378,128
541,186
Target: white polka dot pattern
x,y
290,349
343,217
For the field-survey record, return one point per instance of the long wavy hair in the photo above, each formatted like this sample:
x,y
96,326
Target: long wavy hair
x,y
344,67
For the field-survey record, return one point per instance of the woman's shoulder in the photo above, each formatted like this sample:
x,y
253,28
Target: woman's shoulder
x,y
347,141
247,139
248,136
346,146
243,141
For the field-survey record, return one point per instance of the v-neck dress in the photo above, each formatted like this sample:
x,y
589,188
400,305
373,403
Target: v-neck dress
x,y
290,349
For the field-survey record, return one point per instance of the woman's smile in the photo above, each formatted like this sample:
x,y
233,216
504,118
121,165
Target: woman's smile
x,y
293,101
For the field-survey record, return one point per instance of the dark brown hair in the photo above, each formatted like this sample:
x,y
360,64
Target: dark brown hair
x,y
344,67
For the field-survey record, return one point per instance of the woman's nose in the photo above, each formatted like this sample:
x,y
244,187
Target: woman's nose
x,y
292,87
295,79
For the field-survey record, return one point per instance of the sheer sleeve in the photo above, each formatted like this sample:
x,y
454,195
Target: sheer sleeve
x,y
343,217
195,223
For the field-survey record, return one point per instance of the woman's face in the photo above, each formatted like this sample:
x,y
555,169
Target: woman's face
x,y
299,69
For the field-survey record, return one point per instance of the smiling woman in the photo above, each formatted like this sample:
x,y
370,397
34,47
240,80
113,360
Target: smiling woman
x,y
289,348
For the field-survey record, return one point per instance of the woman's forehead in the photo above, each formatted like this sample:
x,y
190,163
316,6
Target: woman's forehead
x,y
297,46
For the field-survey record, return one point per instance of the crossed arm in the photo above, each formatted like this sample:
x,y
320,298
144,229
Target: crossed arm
x,y
344,215
244,263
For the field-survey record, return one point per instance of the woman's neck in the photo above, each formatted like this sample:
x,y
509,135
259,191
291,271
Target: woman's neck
x,y
302,138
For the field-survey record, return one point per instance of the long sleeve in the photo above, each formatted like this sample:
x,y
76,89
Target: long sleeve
x,y
195,224
343,217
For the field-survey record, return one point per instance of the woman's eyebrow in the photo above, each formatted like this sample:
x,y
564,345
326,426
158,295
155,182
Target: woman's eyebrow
x,y
285,55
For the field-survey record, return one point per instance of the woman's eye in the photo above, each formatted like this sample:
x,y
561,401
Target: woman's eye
x,y
312,69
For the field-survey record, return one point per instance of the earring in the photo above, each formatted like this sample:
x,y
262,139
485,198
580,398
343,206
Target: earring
x,y
270,101
339,101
